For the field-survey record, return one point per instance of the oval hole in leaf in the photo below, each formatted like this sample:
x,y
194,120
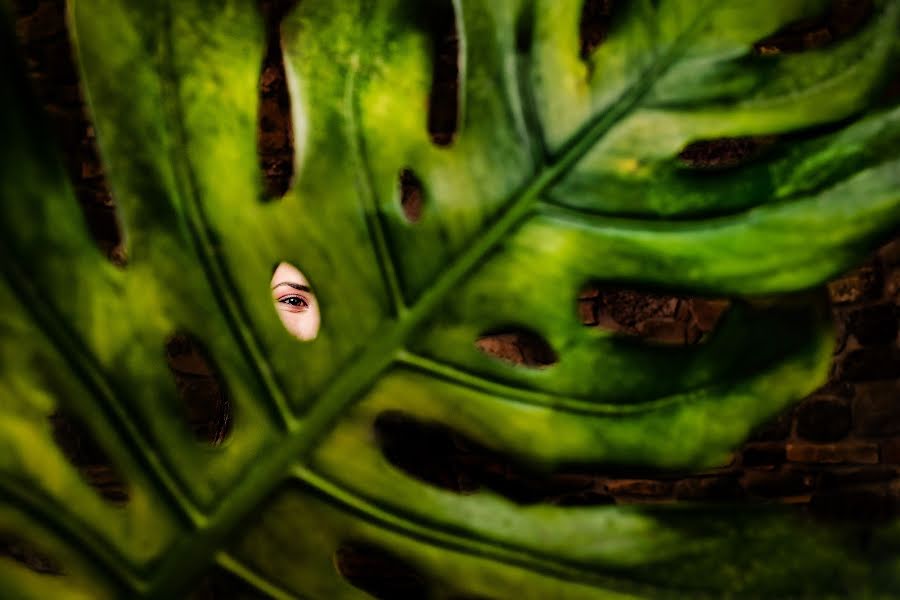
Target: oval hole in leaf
x,y
440,456
85,454
654,317
275,134
54,79
518,347
295,302
411,195
843,18
724,153
207,405
593,27
15,548
443,100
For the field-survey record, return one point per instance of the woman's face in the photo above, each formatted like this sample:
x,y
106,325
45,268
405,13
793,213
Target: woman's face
x,y
295,302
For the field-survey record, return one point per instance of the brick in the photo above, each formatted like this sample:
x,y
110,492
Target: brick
x,y
890,451
823,419
871,364
91,169
876,324
586,311
775,484
876,408
274,140
665,331
835,479
863,283
59,64
847,452
502,347
892,284
45,22
757,455
185,357
638,487
707,312
722,488
25,7
835,389
589,293
890,253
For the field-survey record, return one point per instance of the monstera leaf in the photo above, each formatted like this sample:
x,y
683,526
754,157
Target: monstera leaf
x,y
564,170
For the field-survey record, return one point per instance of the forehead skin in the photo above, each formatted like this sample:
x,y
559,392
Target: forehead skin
x,y
288,273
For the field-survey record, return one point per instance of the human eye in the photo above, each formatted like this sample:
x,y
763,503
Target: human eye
x,y
294,302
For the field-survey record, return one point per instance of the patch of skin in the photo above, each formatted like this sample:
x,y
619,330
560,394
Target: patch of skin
x,y
295,302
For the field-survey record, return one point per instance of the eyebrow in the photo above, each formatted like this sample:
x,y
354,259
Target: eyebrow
x,y
296,286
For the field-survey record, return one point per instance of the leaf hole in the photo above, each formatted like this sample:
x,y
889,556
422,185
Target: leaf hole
x,y
411,195
594,25
295,302
15,548
275,127
379,573
443,99
53,74
724,153
207,405
518,347
440,456
654,317
842,19
89,459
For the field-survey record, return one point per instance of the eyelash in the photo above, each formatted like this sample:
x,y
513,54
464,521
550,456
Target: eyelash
x,y
302,305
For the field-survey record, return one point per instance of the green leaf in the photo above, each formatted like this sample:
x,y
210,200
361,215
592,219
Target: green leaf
x,y
563,171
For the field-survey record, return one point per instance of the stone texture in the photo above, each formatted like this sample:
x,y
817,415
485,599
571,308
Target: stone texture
x,y
42,23
877,324
712,489
586,312
850,452
836,479
518,347
877,408
823,419
890,451
659,318
778,484
638,487
857,285
872,363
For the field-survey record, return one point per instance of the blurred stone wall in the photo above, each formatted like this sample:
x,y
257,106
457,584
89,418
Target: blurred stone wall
x,y
839,449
